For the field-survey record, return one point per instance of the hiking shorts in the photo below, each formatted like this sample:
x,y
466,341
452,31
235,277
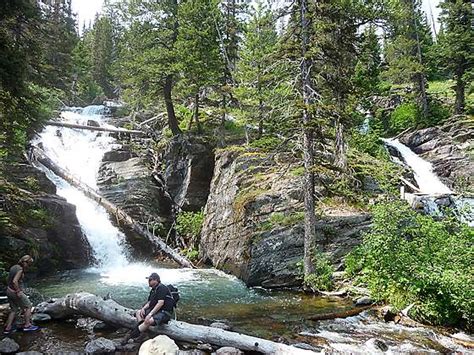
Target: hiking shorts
x,y
161,317
18,302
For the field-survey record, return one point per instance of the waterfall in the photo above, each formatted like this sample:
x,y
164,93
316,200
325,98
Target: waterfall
x,y
427,181
80,152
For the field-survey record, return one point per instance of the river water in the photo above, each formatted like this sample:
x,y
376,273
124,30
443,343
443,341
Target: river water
x,y
207,295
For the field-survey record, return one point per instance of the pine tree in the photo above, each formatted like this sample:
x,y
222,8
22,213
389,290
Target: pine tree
x,y
255,72
197,45
457,45
102,54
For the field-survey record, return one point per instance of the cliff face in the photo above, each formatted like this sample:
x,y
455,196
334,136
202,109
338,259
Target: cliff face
x,y
254,215
38,222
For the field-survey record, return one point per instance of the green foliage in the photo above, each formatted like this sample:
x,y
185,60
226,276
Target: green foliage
x,y
403,117
191,254
409,258
189,224
321,278
369,143
282,219
267,143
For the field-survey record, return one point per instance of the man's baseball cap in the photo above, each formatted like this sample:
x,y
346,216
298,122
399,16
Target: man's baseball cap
x,y
154,276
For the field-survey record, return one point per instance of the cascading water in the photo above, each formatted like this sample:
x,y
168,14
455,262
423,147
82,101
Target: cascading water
x,y
427,181
205,293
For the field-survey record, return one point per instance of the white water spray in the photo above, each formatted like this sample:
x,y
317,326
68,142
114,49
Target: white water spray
x,y
427,181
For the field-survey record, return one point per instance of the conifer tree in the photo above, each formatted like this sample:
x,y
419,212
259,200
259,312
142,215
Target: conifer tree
x,y
255,72
457,46
102,54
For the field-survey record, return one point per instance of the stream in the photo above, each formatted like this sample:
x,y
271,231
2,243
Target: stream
x,y
207,295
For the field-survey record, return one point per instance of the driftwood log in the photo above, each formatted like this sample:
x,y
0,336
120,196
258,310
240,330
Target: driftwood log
x,y
115,314
94,128
121,216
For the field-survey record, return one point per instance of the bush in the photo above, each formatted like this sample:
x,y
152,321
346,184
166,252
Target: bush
x,y
321,279
403,117
410,258
189,225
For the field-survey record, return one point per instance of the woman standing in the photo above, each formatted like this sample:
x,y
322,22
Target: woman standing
x,y
17,298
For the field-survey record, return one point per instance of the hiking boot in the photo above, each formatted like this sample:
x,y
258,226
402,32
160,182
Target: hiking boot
x,y
31,328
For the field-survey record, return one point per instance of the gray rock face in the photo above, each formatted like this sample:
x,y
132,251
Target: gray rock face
x,y
227,350
8,346
51,228
253,221
125,180
100,346
449,148
188,172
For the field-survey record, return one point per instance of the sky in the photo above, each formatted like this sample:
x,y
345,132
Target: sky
x,y
86,10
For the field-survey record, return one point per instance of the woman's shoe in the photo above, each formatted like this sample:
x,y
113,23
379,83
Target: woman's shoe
x,y
31,328
8,332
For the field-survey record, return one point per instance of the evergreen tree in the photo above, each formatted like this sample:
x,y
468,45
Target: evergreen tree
x,y
457,45
197,45
103,54
255,72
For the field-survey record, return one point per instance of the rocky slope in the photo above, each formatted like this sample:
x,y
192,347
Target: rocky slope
x,y
253,220
38,222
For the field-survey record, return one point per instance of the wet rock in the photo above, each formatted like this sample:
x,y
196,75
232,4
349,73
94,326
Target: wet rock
x,y
93,123
100,326
99,346
364,301
8,346
204,347
376,344
29,353
227,350
388,313
191,352
189,170
40,317
240,235
118,154
306,347
55,233
159,345
221,325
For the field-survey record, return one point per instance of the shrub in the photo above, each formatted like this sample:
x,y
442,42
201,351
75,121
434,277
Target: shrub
x,y
410,258
321,279
189,225
404,116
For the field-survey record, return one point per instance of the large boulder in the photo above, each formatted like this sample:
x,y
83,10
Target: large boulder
x,y
254,215
189,166
126,180
159,345
449,148
41,223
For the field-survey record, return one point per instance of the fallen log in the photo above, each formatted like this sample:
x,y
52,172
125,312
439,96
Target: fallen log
x,y
341,314
122,216
409,184
115,314
93,128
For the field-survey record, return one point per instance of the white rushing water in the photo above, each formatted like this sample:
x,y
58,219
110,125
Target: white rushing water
x,y
427,181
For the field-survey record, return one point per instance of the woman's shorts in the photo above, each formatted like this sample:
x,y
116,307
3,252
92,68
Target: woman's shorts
x,y
18,302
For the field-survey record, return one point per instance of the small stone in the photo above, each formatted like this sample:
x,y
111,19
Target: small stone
x,y
364,301
227,350
191,352
221,325
204,347
8,346
376,344
40,317
99,326
305,346
387,313
93,123
100,345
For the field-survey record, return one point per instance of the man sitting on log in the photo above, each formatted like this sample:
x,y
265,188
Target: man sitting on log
x,y
157,310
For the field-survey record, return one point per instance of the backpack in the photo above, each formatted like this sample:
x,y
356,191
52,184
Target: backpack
x,y
174,294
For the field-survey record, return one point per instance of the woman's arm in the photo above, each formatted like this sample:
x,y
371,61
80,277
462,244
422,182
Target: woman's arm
x,y
16,281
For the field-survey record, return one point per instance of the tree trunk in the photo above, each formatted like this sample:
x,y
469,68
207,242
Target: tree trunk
x,y
341,148
308,152
115,314
92,128
196,113
121,215
460,91
172,121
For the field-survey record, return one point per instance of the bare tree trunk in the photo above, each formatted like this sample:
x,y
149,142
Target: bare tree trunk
x,y
308,152
172,121
196,112
93,128
113,313
341,148
460,91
